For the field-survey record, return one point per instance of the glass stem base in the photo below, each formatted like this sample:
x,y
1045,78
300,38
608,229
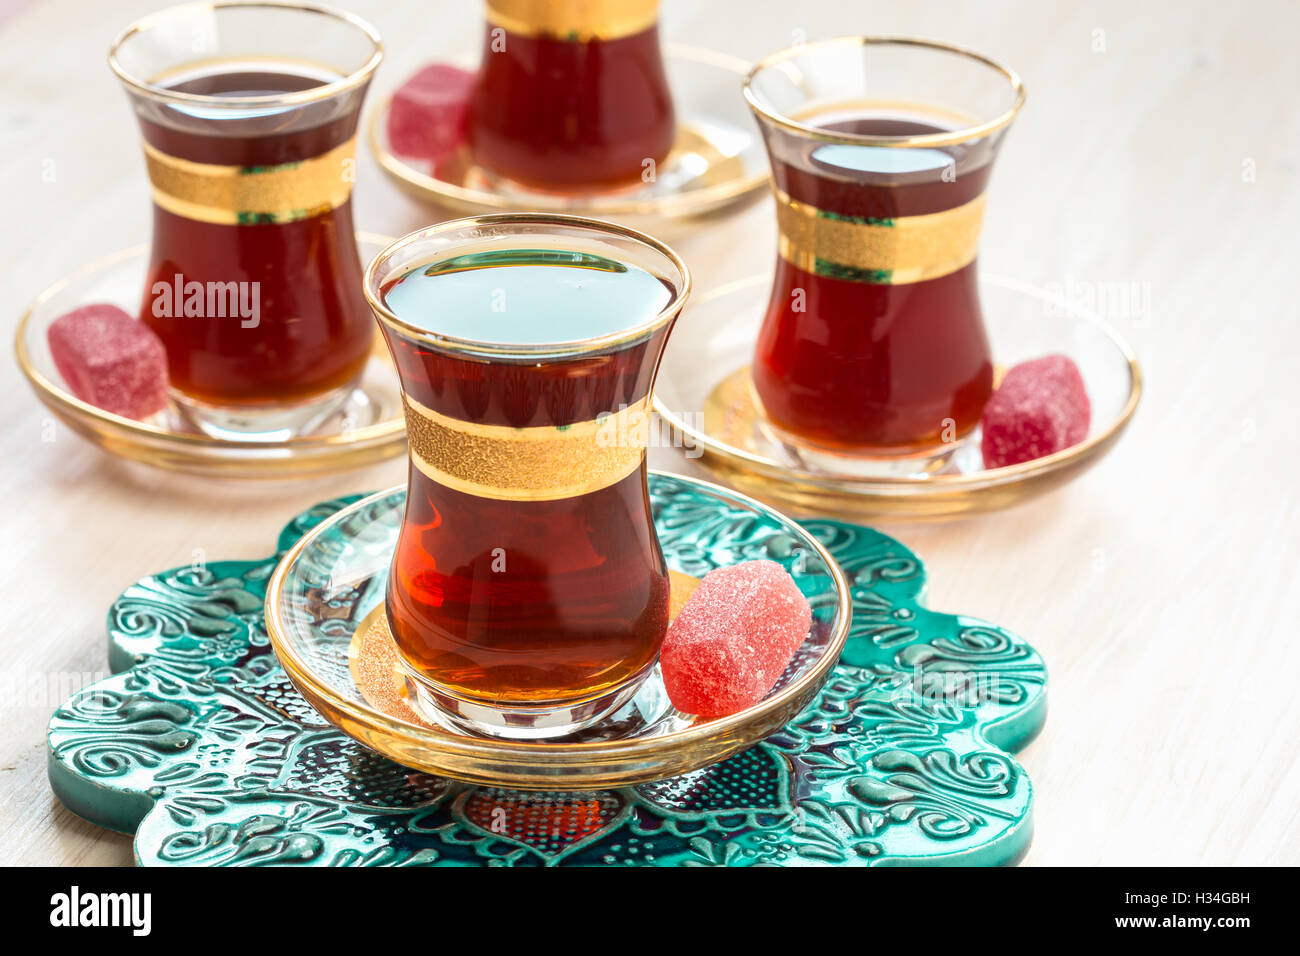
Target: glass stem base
x,y
517,722
867,463
271,423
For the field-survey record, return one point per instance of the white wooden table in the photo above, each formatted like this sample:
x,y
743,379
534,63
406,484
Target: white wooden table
x,y
1160,146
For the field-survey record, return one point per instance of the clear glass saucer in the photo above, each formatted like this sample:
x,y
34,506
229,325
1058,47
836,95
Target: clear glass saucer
x,y
703,392
718,160
366,427
326,596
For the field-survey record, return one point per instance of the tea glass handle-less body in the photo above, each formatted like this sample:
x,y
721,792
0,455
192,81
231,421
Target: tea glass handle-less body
x,y
572,94
254,282
873,344
528,596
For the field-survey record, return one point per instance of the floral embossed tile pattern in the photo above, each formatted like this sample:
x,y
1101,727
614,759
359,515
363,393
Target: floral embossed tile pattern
x,y
201,746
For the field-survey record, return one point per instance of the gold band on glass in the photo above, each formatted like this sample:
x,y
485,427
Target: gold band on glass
x,y
882,251
538,463
574,19
244,195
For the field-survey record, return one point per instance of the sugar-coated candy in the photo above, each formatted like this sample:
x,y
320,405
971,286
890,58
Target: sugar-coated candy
x,y
429,113
1041,407
110,360
734,638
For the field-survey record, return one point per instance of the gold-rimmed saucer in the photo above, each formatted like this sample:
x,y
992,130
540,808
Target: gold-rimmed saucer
x,y
367,427
325,599
703,392
717,162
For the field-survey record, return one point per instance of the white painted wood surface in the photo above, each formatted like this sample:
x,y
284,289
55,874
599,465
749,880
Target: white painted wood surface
x,y
1160,146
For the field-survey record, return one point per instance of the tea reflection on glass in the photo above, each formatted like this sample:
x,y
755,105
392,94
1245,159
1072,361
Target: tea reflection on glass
x,y
528,595
881,149
248,114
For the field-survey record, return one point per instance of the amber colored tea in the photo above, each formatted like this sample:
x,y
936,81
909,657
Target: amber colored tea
x,y
528,570
253,206
576,99
873,339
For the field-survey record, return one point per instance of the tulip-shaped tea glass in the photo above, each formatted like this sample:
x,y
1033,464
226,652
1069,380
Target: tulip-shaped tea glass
x,y
572,94
873,344
248,113
528,595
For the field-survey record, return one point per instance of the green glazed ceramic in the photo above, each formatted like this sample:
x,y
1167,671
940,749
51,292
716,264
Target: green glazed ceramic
x,y
201,746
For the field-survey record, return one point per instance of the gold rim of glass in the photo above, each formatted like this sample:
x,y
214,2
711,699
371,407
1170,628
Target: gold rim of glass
x,y
951,138
148,88
372,286
370,718
1045,464
59,397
